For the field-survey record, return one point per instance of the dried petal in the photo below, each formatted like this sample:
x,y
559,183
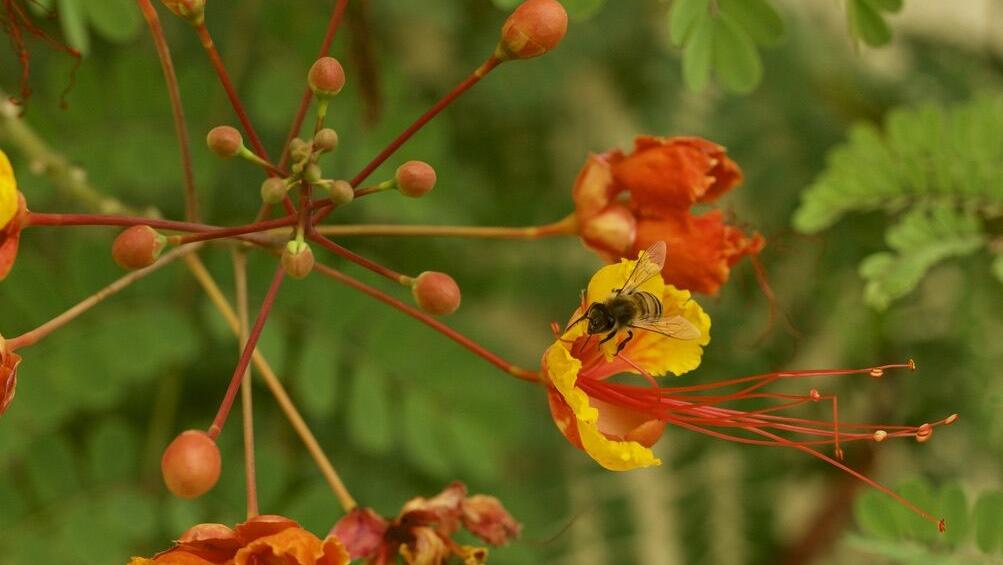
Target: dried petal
x,y
362,531
487,519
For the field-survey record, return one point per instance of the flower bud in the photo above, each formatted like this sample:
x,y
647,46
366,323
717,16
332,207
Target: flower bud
x,y
193,11
191,464
312,173
341,192
611,232
415,178
326,140
534,28
224,141
137,247
273,190
436,293
326,77
297,259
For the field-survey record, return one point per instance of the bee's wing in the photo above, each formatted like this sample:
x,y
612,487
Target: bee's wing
x,y
672,326
649,264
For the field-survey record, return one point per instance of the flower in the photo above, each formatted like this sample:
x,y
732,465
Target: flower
x,y
259,540
616,438
616,423
422,532
623,203
8,375
12,213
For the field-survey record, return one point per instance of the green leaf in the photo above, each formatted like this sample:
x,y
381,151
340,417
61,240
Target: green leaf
x,y
369,410
757,17
51,469
923,238
424,438
12,501
887,5
73,21
698,55
116,20
112,452
685,17
867,24
473,447
998,267
916,491
954,509
736,59
582,9
988,519
317,386
875,516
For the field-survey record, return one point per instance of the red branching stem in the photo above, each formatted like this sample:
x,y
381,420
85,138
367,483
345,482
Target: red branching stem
x,y
561,227
237,230
358,259
325,47
177,110
396,144
245,357
428,320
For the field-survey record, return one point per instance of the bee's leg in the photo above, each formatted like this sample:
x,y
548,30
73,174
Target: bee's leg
x,y
622,344
572,324
608,337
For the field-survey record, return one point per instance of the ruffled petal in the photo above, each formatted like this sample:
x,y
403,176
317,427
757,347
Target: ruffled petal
x,y
294,546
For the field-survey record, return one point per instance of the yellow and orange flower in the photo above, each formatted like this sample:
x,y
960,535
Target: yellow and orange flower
x,y
624,202
8,375
259,540
12,213
615,436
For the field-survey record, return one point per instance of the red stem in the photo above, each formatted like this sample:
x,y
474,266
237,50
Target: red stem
x,y
436,325
245,356
245,232
238,230
177,111
470,81
357,259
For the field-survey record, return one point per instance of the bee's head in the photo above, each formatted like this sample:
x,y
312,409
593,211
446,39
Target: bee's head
x,y
600,320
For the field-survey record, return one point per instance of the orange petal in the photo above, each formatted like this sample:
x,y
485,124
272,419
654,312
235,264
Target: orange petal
x,y
611,232
174,557
8,376
10,236
665,174
292,546
262,525
215,542
594,188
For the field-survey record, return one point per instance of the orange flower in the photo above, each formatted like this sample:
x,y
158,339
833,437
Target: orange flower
x,y
8,375
12,214
623,203
258,541
422,532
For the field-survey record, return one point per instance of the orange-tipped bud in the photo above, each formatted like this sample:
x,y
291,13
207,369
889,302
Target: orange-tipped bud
x,y
415,178
192,11
224,141
341,192
191,464
326,140
297,259
137,247
326,77
273,190
534,28
436,293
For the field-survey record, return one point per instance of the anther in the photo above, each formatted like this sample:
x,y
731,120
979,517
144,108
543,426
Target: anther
x,y
839,453
814,395
941,526
877,373
950,419
924,433
880,435
912,365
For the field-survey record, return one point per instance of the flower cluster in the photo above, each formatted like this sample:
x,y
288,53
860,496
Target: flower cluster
x,y
422,533
626,202
261,539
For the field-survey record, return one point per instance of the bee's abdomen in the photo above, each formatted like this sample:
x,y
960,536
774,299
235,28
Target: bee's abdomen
x,y
648,305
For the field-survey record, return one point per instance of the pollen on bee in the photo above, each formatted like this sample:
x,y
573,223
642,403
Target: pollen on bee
x,y
880,435
877,372
924,433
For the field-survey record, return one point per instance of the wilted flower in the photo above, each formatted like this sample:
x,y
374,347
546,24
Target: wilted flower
x,y
12,213
616,423
262,539
624,203
8,375
422,532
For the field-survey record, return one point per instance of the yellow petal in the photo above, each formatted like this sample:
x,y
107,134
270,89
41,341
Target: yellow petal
x,y
614,455
658,354
8,191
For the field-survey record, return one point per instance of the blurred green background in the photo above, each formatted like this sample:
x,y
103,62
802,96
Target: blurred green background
x,y
401,410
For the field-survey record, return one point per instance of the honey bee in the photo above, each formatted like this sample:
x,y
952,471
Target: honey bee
x,y
632,309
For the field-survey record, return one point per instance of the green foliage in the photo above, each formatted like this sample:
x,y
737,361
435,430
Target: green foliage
x,y
943,168
722,35
116,21
892,531
866,20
